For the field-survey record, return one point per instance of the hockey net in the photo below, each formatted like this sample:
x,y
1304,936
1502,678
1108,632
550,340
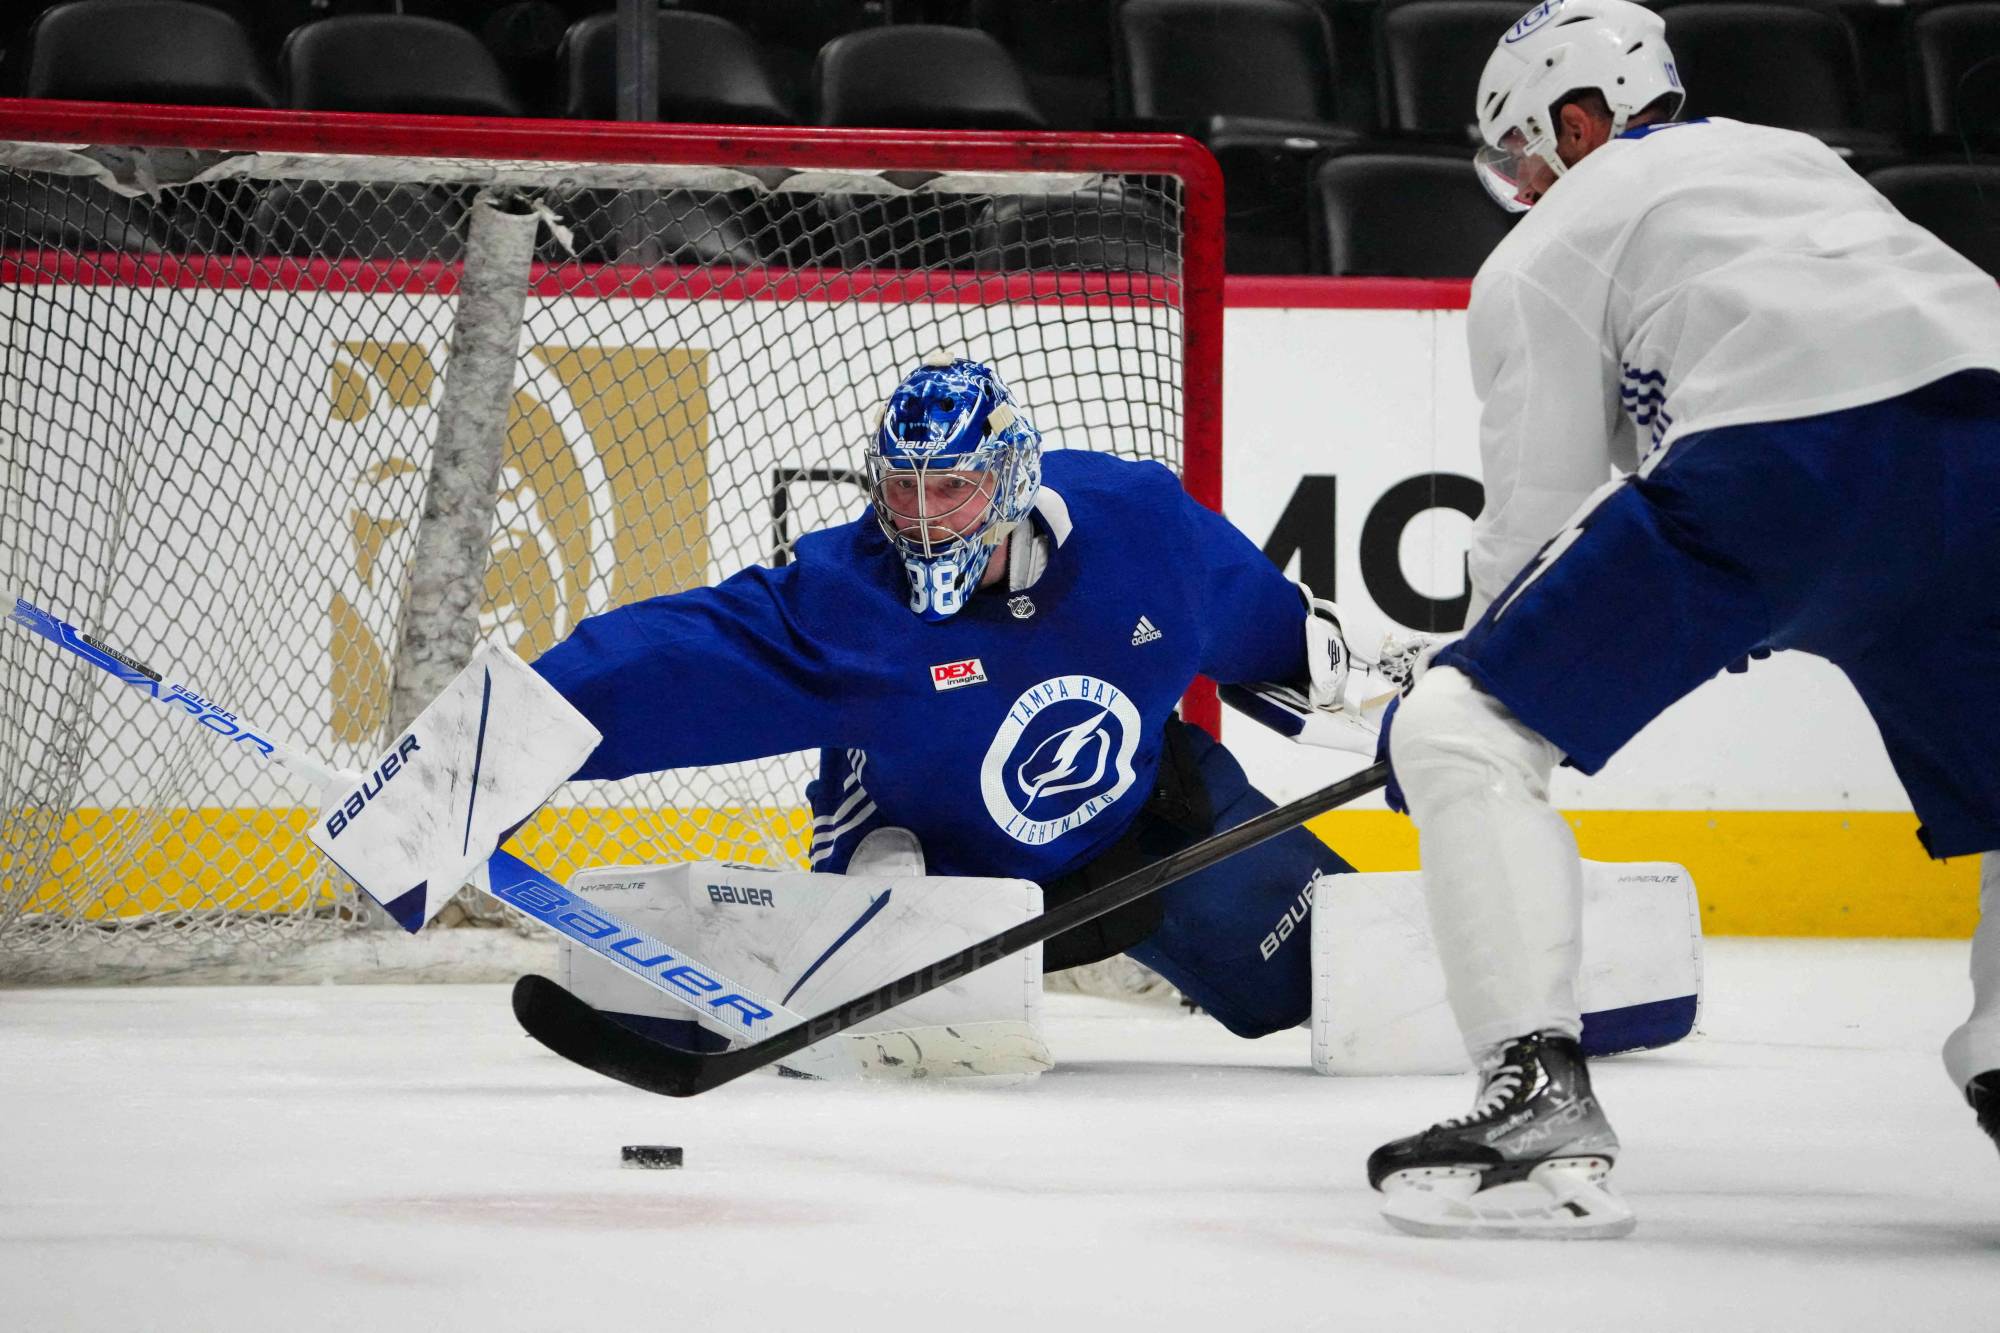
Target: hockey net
x,y
229,345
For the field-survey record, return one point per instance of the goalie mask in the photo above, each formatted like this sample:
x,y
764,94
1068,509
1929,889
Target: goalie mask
x,y
1612,47
953,467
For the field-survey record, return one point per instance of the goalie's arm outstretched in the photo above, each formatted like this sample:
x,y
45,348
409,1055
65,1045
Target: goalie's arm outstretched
x,y
708,676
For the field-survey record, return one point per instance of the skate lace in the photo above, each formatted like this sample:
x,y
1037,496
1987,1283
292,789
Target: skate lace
x,y
1500,1090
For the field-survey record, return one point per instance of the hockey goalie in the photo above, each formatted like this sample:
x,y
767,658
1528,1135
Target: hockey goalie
x,y
988,663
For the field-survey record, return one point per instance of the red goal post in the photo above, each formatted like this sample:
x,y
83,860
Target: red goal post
x,y
238,346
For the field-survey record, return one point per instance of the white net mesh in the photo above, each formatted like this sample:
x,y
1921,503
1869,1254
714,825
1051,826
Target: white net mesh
x,y
219,399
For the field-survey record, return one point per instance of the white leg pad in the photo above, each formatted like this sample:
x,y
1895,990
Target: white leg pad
x,y
1379,1003
813,942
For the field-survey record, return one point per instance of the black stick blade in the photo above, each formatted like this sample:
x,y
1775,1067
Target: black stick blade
x,y
583,1036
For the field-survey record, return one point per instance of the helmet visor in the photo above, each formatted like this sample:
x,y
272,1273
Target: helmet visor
x,y
1514,174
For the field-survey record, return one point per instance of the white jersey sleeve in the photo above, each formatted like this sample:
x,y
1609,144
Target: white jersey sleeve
x,y
1549,412
1687,277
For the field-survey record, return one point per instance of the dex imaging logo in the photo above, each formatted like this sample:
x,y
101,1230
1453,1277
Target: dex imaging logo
x,y
956,675
1061,757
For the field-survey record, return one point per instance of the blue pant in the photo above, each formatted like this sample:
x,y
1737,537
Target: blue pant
x,y
1236,937
1869,537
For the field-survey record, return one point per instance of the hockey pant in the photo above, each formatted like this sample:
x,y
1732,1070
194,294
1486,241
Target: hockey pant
x,y
1869,537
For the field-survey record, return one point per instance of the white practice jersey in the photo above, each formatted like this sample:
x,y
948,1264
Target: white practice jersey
x,y
1690,276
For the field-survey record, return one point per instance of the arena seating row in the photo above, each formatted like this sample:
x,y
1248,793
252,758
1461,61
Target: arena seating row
x,y
1399,66
1316,159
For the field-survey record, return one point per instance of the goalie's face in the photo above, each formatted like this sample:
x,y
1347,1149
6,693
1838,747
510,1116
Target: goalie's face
x,y
930,509
952,468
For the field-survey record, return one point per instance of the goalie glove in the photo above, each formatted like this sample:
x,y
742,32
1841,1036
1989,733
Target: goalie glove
x,y
1346,696
1327,659
1321,714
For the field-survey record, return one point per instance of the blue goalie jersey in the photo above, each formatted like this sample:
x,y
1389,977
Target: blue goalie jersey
x,y
1018,738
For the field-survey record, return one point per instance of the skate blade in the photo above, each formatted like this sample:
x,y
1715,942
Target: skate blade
x,y
1562,1199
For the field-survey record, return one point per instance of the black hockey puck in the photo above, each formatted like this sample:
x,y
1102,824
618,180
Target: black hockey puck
x,y
649,1156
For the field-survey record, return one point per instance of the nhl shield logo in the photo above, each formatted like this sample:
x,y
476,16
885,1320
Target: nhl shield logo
x,y
1021,605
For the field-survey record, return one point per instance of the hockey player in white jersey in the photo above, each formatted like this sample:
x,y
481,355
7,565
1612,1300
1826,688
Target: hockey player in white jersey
x,y
1802,392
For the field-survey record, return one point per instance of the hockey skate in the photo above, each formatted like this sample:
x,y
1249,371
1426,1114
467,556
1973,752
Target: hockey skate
x,y
1533,1158
1983,1095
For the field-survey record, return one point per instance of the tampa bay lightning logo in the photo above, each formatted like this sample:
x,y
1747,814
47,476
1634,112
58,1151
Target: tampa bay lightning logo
x,y
1062,756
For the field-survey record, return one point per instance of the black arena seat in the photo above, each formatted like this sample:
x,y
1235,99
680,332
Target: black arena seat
x,y
393,62
1403,215
1064,50
1954,51
141,51
919,76
380,63
1792,65
1959,202
1429,54
711,72
923,76
1255,81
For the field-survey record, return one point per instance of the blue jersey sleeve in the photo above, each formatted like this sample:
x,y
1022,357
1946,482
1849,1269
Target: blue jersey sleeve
x,y
1253,618
707,676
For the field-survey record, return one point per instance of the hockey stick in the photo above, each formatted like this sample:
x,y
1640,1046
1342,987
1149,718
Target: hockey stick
x,y
718,1003
579,1033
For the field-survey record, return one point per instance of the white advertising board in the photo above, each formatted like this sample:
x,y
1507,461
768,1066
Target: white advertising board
x,y
1353,434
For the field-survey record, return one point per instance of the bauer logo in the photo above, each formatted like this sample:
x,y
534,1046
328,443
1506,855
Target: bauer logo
x,y
953,675
371,786
735,895
1062,756
1295,916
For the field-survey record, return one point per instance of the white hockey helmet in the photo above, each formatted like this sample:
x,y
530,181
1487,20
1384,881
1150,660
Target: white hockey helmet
x,y
1613,47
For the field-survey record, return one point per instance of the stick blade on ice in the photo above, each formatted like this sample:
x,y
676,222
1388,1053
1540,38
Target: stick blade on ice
x,y
583,1036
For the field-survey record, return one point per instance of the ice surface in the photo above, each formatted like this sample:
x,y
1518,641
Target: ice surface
x,y
401,1157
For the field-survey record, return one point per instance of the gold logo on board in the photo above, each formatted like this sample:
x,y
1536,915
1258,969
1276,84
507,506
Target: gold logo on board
x,y
603,498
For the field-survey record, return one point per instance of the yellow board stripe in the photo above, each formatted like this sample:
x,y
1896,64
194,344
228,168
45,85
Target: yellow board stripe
x,y
1759,872
1832,873
127,863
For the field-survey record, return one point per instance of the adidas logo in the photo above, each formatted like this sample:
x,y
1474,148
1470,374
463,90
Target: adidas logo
x,y
1144,632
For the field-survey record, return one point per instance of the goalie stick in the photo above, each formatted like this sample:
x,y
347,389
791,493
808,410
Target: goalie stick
x,y
718,1003
579,1033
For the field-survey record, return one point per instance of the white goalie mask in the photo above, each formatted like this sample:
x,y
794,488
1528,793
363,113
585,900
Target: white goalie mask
x,y
1612,47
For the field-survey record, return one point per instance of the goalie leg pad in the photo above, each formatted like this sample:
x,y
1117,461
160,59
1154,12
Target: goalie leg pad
x,y
813,942
1379,1002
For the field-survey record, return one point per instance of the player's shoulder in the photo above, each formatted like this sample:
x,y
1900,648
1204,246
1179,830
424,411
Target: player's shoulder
x,y
1595,207
1088,474
842,546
